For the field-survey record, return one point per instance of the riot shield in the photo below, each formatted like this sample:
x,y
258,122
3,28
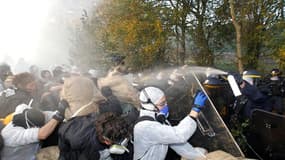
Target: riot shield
x,y
213,134
267,132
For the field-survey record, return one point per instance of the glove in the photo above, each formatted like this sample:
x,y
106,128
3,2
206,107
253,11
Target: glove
x,y
199,101
59,114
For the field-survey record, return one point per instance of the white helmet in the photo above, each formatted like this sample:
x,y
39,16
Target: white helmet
x,y
150,96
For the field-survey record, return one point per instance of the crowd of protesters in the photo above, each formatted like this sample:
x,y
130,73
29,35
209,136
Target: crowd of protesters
x,y
84,120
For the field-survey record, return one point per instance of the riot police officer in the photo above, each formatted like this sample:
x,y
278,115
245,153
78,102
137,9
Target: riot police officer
x,y
255,98
219,91
276,88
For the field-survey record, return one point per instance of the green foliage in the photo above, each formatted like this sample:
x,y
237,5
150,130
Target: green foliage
x,y
238,131
153,32
275,45
133,29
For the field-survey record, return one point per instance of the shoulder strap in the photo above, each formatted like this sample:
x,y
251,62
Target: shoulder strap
x,y
144,118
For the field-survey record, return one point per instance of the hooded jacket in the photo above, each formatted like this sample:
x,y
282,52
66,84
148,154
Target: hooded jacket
x,y
78,92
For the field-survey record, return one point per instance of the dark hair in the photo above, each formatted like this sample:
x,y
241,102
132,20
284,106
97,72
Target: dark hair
x,y
22,79
111,126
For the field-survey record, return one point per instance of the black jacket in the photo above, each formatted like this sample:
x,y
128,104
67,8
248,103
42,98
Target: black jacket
x,y
9,100
77,139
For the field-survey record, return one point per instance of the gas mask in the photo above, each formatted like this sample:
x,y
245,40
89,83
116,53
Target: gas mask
x,y
162,115
119,148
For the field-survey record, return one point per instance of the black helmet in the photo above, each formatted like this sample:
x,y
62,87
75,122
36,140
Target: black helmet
x,y
213,82
275,72
251,76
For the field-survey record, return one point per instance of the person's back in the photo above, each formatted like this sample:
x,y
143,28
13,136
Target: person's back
x,y
91,136
28,127
21,142
77,139
24,152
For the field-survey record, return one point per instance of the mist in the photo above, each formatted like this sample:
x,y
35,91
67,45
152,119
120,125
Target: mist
x,y
39,32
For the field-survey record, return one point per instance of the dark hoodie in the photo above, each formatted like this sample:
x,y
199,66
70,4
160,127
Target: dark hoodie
x,y
77,139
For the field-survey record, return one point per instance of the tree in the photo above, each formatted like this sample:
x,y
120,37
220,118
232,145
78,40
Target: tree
x,y
238,36
134,29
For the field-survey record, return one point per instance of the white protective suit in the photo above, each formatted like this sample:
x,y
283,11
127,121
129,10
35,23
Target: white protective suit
x,y
151,139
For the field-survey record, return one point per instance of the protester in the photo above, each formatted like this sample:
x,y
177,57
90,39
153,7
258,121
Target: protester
x,y
153,135
221,96
276,90
5,71
89,137
25,87
1,139
46,76
29,126
112,104
86,133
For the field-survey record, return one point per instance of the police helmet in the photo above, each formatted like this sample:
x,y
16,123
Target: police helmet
x,y
275,72
212,82
251,76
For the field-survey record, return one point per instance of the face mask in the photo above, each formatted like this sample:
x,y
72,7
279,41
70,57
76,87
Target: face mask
x,y
162,115
165,111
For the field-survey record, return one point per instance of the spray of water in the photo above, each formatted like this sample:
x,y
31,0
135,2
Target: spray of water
x,y
156,76
39,32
